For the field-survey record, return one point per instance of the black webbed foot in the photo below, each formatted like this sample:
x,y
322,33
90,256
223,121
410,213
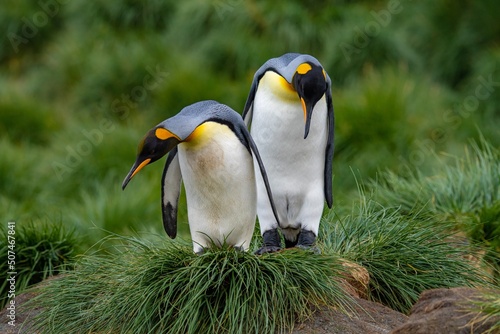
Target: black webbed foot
x,y
271,242
307,240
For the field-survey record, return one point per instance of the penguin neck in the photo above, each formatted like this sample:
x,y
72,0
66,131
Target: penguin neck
x,y
201,135
276,84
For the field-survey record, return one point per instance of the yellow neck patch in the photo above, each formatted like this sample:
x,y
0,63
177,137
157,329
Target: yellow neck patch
x,y
204,132
275,83
303,68
164,134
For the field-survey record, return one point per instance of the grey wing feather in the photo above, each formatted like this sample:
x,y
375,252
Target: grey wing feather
x,y
170,191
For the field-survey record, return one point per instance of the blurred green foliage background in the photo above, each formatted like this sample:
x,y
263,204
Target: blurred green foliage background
x,y
82,81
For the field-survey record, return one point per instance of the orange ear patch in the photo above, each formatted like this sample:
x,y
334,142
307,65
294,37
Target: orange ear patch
x,y
164,134
304,68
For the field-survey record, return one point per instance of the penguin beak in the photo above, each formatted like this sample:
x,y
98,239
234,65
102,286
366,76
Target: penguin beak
x,y
138,165
308,107
156,143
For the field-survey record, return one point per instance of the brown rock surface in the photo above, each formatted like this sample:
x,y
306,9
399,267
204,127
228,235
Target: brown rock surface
x,y
440,311
368,318
20,315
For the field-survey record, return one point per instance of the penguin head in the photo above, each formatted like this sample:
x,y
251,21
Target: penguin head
x,y
309,81
155,144
185,127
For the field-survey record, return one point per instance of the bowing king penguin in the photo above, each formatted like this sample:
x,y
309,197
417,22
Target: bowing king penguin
x,y
290,112
210,151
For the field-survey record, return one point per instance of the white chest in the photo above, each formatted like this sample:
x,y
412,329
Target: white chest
x,y
219,181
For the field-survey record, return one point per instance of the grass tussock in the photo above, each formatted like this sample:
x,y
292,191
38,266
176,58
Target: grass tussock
x,y
41,250
464,186
465,193
403,255
489,310
168,289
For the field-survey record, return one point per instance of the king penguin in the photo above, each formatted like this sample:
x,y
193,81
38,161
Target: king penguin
x,y
290,114
210,151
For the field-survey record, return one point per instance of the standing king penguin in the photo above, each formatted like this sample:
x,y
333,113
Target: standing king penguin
x,y
290,112
211,152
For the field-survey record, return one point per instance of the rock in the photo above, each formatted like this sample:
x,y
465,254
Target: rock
x,y
21,316
447,311
367,318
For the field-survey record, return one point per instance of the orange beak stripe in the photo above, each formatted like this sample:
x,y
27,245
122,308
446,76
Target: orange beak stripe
x,y
144,163
304,108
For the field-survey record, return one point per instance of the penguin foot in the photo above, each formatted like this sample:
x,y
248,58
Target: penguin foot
x,y
271,242
306,239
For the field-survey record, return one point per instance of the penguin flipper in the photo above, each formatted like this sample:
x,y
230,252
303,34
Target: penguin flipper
x,y
170,191
248,110
249,115
329,150
263,172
